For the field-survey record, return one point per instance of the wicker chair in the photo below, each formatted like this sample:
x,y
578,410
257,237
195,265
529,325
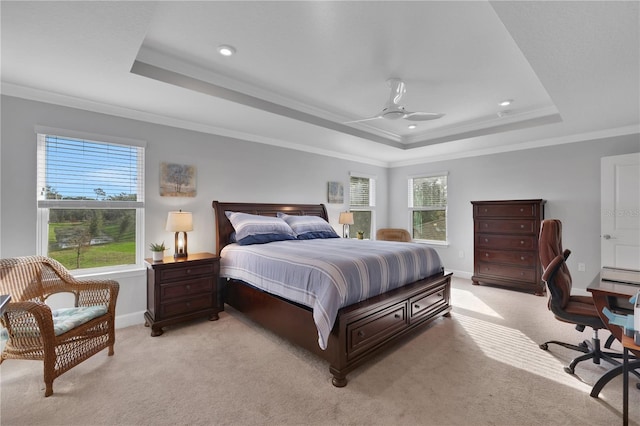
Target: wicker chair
x,y
393,234
31,329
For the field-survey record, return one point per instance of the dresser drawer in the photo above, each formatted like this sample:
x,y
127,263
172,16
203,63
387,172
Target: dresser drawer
x,y
518,258
506,271
516,226
171,274
506,210
524,242
370,331
186,305
425,304
186,288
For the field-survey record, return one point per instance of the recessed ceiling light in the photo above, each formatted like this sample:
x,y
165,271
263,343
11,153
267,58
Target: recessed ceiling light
x,y
226,50
412,126
506,102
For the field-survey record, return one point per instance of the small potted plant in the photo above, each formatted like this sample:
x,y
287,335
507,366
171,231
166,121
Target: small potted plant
x,y
157,251
360,235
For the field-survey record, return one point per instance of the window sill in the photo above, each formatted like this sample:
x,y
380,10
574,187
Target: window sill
x,y
433,243
114,273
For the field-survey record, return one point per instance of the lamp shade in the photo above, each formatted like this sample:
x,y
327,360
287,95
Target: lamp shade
x,y
179,221
346,218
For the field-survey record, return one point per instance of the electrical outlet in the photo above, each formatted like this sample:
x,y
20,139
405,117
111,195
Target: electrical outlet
x,y
581,267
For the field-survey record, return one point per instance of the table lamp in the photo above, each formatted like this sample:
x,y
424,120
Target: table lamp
x,y
345,219
180,222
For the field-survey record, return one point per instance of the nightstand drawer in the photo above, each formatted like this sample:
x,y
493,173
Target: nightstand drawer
x,y
186,305
186,288
171,274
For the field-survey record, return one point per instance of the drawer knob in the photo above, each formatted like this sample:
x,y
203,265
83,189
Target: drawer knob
x,y
439,294
416,306
396,316
360,333
521,226
521,242
486,240
486,255
521,210
486,225
188,271
188,287
522,258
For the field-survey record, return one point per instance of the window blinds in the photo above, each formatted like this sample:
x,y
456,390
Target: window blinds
x,y
77,173
428,192
361,191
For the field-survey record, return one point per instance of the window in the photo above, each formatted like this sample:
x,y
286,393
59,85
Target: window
x,y
90,201
428,207
362,196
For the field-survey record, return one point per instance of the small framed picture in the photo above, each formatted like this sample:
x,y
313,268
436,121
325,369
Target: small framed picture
x,y
177,180
335,193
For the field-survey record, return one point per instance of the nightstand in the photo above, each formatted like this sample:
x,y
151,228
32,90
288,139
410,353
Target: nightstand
x,y
181,289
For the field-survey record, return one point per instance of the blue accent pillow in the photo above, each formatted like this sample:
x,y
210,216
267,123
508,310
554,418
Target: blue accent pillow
x,y
309,227
255,229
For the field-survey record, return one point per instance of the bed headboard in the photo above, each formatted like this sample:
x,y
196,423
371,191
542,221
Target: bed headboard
x,y
224,228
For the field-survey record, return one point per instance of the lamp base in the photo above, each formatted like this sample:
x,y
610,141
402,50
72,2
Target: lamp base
x,y
180,249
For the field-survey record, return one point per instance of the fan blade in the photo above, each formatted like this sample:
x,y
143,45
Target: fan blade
x,y
364,119
422,116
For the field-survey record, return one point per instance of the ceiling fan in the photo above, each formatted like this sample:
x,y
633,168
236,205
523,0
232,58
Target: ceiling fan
x,y
392,110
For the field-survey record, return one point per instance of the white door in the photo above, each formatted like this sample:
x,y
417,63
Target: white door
x,y
620,211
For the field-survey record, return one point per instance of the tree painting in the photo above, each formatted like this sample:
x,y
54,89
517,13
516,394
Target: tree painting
x,y
177,180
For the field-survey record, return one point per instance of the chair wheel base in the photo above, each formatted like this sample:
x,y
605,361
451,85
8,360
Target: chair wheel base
x,y
569,370
544,346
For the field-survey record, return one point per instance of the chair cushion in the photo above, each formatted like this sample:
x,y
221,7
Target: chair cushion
x,y
582,305
66,319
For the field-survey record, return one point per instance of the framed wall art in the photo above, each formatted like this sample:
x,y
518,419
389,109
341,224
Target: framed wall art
x,y
177,180
335,193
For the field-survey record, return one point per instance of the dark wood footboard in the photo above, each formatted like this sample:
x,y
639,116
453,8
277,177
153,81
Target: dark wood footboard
x,y
361,330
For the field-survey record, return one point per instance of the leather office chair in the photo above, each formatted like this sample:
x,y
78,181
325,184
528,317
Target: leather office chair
x,y
393,234
578,310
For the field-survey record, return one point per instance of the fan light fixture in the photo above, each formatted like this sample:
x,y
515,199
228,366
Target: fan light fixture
x,y
226,50
412,126
506,102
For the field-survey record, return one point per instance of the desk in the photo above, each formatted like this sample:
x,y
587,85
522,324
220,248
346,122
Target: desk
x,y
628,344
615,296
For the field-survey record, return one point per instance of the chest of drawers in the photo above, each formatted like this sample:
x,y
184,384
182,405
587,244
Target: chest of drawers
x,y
506,243
181,289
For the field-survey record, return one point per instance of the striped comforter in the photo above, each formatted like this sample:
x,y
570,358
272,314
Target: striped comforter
x,y
328,274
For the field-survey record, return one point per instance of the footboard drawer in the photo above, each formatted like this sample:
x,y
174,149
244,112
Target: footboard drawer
x,y
369,331
426,304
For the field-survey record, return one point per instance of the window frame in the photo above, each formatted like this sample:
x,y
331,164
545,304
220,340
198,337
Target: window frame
x,y
372,201
412,208
44,206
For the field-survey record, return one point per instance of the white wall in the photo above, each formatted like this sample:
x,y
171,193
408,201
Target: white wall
x,y
567,176
227,170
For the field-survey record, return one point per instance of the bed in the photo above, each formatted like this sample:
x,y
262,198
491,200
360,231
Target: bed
x,y
359,330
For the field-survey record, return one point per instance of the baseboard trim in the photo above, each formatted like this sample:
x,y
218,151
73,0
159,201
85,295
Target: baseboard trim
x,y
127,320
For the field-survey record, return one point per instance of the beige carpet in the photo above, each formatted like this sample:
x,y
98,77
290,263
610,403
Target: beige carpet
x,y
481,366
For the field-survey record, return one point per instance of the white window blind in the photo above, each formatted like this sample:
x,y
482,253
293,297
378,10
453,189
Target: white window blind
x,y
77,173
362,191
428,192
